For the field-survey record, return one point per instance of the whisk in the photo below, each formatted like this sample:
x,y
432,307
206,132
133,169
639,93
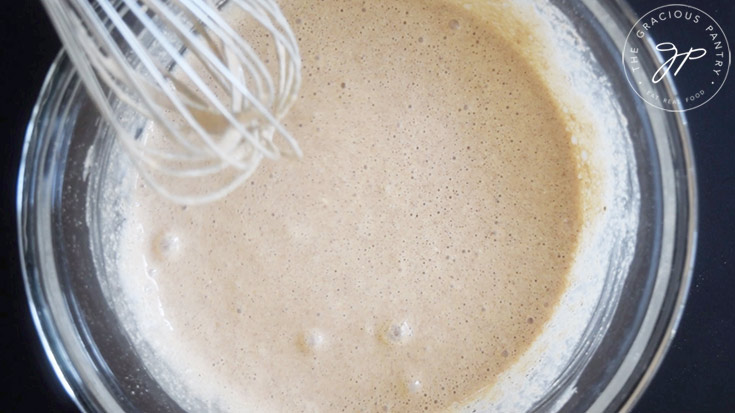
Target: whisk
x,y
220,109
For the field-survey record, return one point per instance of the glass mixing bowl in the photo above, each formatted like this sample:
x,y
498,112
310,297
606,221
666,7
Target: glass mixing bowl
x,y
612,363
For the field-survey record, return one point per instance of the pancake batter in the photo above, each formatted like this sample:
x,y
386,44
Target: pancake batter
x,y
413,253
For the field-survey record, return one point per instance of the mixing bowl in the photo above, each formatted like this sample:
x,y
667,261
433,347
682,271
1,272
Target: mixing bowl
x,y
69,156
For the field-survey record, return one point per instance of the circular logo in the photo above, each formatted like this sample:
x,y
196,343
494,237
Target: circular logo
x,y
694,56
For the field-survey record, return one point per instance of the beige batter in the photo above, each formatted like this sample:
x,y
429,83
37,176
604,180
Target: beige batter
x,y
413,253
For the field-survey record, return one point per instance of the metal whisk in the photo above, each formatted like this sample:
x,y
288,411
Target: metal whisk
x,y
178,63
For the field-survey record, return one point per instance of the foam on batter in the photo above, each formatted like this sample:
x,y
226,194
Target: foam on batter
x,y
442,245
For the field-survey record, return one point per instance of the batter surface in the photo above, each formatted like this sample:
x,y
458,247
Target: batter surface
x,y
413,253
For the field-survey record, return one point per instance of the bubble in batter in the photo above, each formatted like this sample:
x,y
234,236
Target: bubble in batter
x,y
398,333
167,245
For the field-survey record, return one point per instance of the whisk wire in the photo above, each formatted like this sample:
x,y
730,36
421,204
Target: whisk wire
x,y
128,74
238,86
201,85
220,112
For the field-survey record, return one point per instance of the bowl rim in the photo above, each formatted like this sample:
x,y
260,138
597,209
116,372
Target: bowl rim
x,y
45,327
686,271
66,373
